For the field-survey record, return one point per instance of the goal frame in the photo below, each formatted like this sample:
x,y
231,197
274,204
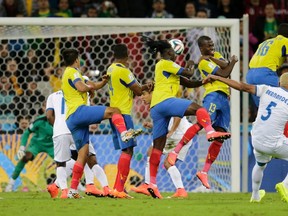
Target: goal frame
x,y
129,25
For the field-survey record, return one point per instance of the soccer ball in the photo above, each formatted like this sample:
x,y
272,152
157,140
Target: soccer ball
x,y
177,45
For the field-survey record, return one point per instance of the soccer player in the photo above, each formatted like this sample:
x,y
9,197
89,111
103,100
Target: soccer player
x,y
270,55
216,98
41,141
79,115
63,143
176,128
164,105
267,131
122,87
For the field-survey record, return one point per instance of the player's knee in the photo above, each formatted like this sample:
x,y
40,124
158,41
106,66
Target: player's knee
x,y
110,111
91,161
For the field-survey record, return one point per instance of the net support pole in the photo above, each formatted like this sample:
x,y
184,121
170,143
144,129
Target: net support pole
x,y
235,110
245,106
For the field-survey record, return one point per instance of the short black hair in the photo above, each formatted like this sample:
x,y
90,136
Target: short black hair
x,y
283,29
70,56
281,68
202,39
120,51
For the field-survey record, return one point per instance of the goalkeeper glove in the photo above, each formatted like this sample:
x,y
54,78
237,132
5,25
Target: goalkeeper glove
x,y
21,152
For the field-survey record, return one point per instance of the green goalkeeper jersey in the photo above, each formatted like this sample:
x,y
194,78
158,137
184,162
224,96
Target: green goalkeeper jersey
x,y
42,133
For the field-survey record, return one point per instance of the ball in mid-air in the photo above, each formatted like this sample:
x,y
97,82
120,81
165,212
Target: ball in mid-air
x,y
177,45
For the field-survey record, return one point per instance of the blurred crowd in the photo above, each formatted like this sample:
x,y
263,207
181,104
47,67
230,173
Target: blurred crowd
x,y
31,69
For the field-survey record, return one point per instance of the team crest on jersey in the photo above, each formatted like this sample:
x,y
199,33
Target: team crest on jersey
x,y
211,65
76,75
131,76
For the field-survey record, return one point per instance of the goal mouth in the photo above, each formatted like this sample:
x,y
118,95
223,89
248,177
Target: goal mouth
x,y
35,45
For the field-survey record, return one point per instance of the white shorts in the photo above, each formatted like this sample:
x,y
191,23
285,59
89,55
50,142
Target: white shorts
x,y
63,144
264,153
171,144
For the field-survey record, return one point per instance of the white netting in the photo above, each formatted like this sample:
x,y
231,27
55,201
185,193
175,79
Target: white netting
x,y
31,68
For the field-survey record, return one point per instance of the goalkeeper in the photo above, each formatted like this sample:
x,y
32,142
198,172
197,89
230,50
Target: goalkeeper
x,y
41,141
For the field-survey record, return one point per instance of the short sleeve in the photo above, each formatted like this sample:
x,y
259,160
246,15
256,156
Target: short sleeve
x,y
172,67
49,103
128,77
208,67
261,89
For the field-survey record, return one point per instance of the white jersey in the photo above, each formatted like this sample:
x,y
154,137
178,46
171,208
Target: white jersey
x,y
272,115
57,103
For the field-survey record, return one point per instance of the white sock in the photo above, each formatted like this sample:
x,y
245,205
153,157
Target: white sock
x,y
147,171
175,176
100,175
61,180
285,181
89,176
257,176
69,167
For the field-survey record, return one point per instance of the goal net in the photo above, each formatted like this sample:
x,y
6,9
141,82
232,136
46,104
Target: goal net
x,y
31,69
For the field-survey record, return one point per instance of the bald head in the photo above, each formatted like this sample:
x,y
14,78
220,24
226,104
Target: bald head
x,y
284,80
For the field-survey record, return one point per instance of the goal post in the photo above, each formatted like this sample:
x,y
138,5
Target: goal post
x,y
95,37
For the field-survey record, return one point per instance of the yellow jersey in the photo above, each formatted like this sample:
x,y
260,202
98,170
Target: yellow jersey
x,y
72,96
121,96
270,54
207,67
167,81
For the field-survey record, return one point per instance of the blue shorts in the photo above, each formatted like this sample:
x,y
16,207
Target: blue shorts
x,y
217,104
118,143
258,76
79,121
162,112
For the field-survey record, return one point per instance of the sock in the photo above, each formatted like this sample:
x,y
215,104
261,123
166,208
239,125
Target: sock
x,y
100,175
154,164
257,176
11,181
19,167
69,167
123,171
212,154
175,176
119,123
61,180
76,176
189,134
204,120
147,171
89,175
285,182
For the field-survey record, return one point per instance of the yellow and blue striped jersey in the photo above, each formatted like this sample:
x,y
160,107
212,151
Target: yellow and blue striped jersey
x,y
270,54
121,96
167,81
207,67
72,96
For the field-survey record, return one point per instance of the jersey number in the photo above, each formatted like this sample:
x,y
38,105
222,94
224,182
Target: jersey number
x,y
212,108
63,106
269,111
263,49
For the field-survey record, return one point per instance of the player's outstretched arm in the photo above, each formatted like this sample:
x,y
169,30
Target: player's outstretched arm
x,y
228,69
190,83
232,83
98,85
189,69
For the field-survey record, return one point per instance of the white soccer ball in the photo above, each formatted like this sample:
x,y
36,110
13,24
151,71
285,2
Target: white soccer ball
x,y
177,45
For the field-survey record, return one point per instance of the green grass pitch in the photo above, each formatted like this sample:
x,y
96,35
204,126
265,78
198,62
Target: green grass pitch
x,y
214,204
